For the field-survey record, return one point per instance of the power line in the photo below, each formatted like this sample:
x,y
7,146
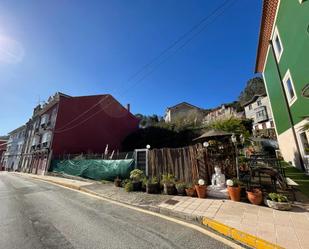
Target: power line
x,y
143,68
196,26
183,36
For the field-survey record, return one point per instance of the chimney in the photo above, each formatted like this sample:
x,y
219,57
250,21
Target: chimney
x,y
128,107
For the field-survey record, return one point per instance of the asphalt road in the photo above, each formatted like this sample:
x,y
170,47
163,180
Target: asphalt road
x,y
35,214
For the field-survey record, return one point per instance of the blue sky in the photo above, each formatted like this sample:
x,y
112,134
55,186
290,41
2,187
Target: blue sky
x,y
93,47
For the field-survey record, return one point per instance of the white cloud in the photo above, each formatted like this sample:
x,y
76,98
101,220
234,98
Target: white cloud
x,y
11,51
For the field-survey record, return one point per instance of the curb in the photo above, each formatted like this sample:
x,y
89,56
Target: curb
x,y
227,231
239,236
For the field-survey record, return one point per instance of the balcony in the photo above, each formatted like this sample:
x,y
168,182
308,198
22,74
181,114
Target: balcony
x,y
261,114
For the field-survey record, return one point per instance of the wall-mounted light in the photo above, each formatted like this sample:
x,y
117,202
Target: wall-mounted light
x,y
148,146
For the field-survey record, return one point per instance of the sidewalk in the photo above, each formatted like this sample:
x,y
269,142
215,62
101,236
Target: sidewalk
x,y
286,229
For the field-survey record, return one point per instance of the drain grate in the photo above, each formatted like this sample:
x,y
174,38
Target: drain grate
x,y
171,202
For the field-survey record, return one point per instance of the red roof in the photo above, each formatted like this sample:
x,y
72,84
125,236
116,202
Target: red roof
x,y
267,22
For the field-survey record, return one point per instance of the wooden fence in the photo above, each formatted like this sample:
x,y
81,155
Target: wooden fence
x,y
191,163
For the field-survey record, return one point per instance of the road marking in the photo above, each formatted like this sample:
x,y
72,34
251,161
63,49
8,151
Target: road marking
x,y
189,225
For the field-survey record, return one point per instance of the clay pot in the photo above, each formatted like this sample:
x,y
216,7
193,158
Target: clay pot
x,y
201,191
234,193
255,196
191,192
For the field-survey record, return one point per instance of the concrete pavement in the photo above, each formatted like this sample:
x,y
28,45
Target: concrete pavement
x,y
34,215
285,229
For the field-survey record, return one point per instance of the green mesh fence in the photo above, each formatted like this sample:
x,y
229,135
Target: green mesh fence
x,y
94,169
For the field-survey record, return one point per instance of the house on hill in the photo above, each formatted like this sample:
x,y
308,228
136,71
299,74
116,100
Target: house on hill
x,y
222,112
258,109
183,111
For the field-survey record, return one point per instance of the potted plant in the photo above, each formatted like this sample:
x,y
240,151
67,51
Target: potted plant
x,y
234,189
117,182
181,188
168,181
201,189
278,201
255,196
136,176
152,186
190,190
128,187
144,183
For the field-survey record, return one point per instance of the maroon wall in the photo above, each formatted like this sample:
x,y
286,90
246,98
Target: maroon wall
x,y
106,123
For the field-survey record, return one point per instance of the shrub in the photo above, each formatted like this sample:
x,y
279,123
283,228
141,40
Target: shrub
x,y
128,186
137,175
277,197
168,179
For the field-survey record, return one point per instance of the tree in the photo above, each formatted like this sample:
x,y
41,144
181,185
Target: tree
x,y
233,125
146,121
255,86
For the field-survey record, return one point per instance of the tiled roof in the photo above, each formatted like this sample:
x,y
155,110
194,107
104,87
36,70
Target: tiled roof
x,y
267,22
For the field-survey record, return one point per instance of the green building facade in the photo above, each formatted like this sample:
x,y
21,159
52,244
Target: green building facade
x,y
284,64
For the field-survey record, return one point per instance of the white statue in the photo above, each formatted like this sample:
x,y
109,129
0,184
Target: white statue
x,y
217,187
218,179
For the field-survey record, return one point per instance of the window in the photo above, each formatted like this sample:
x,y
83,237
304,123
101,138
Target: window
x,y
271,124
259,102
289,88
264,126
277,44
44,119
261,113
250,107
304,142
46,137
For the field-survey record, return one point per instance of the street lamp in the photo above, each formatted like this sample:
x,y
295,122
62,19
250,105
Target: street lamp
x,y
205,144
234,140
148,146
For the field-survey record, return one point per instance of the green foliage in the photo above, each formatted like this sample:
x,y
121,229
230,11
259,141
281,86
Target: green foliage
x,y
124,182
255,86
150,120
168,179
236,182
165,135
233,125
137,175
153,180
277,197
128,186
181,185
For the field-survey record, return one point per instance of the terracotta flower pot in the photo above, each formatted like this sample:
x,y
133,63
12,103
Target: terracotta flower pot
x,y
234,193
191,192
255,196
201,191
